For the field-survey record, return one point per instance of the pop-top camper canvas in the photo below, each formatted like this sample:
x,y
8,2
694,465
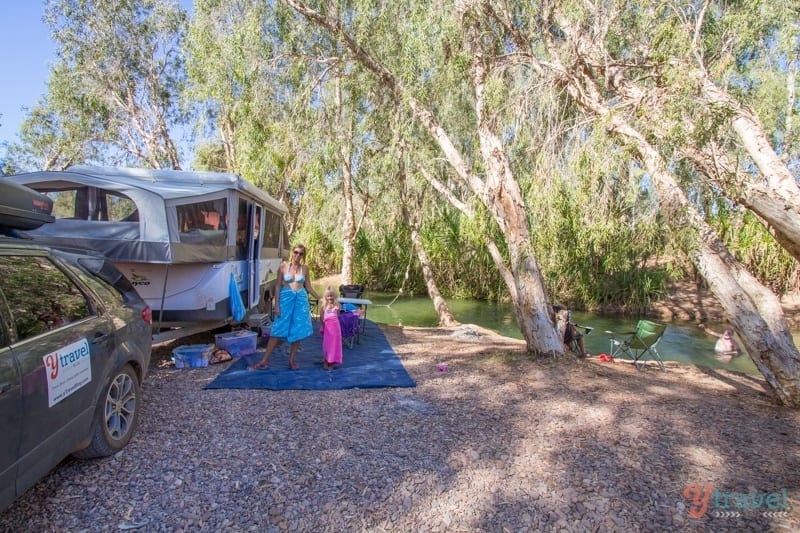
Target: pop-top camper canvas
x,y
177,235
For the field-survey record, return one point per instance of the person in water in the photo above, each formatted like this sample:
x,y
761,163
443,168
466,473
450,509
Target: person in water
x,y
726,344
292,310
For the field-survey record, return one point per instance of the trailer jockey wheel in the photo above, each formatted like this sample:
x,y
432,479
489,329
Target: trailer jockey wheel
x,y
265,303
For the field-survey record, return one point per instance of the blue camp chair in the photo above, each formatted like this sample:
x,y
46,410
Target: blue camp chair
x,y
639,344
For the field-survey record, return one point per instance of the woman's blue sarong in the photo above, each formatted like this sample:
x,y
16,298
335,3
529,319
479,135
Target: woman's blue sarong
x,y
294,323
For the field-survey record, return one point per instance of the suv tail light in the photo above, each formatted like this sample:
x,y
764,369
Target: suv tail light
x,y
147,314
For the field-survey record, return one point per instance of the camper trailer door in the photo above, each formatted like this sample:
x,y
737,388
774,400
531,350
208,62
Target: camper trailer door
x,y
248,245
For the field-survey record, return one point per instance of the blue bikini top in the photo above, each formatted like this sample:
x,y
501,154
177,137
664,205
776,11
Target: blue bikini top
x,y
288,278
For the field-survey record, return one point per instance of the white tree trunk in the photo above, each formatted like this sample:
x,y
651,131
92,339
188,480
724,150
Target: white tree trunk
x,y
446,317
749,129
349,229
755,311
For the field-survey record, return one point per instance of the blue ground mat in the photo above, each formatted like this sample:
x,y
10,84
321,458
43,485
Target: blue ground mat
x,y
370,363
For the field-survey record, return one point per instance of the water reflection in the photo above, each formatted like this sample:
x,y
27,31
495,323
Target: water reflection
x,y
683,341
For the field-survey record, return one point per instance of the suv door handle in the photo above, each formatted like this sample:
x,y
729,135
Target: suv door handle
x,y
5,387
99,337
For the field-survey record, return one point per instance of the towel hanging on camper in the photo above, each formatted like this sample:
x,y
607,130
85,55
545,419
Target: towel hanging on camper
x,y
237,304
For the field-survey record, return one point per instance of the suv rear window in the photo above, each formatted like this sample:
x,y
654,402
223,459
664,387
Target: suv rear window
x,y
106,271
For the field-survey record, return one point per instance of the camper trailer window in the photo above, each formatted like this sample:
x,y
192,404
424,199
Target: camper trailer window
x,y
120,208
242,229
272,230
203,222
41,297
90,203
64,203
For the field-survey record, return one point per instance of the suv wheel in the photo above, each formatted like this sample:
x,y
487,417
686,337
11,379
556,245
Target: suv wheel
x,y
116,416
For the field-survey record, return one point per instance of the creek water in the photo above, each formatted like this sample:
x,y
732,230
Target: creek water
x,y
683,341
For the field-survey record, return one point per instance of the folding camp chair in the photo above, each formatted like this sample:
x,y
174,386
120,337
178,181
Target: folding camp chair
x,y
351,291
354,292
570,331
639,344
348,321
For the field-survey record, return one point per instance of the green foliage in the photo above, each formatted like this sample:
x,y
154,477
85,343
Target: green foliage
x,y
116,84
459,258
753,245
383,259
597,234
323,254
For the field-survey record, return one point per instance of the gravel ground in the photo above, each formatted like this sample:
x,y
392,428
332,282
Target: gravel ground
x,y
496,442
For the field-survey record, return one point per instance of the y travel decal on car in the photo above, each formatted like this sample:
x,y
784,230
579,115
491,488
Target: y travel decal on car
x,y
67,369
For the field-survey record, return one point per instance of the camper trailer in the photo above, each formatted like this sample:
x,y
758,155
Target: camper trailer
x,y
179,236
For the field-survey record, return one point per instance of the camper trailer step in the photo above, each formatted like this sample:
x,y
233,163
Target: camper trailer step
x,y
256,320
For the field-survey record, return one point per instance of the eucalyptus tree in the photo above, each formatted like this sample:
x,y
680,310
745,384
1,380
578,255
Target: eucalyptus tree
x,y
245,85
412,198
347,101
735,64
279,113
580,59
50,140
118,76
491,177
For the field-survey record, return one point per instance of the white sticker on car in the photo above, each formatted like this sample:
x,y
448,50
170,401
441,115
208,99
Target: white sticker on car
x,y
68,369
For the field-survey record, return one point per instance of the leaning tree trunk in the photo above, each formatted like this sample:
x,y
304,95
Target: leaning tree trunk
x,y
412,219
446,317
782,218
754,310
749,129
775,198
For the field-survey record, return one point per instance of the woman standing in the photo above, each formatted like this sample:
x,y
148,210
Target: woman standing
x,y
292,310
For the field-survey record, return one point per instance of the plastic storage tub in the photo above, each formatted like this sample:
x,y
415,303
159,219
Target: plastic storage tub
x,y
192,355
237,343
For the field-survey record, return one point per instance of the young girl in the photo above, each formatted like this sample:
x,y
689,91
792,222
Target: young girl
x,y
331,330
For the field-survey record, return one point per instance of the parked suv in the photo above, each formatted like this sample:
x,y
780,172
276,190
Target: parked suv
x,y
75,345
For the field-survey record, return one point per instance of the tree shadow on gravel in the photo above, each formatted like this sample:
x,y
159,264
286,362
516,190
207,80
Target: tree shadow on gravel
x,y
494,442
613,447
